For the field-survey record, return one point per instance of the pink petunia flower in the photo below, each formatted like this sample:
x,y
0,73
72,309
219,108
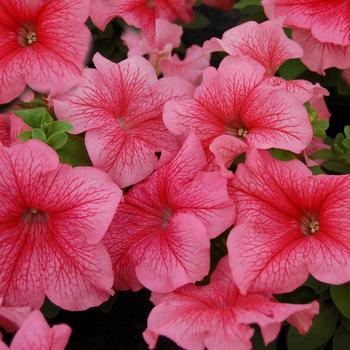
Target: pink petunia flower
x,y
289,224
234,109
120,106
36,334
329,21
266,43
10,127
319,56
52,219
217,316
190,68
43,44
168,36
141,13
159,237
11,318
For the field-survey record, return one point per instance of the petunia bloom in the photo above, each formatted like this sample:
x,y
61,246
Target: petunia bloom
x,y
217,316
289,224
11,318
266,43
141,13
234,109
10,127
120,106
168,36
52,219
190,68
329,21
159,237
36,334
43,44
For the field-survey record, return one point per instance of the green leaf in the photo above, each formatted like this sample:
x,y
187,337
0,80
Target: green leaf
x,y
324,154
38,134
34,117
25,135
345,322
245,3
292,69
74,151
49,309
59,126
341,297
299,296
57,140
282,154
336,167
321,331
199,22
317,286
341,340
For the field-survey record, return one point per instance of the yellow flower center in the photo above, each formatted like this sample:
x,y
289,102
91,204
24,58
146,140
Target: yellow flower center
x,y
31,38
242,132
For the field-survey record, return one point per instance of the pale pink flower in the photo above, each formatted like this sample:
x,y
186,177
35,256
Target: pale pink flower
x,y
190,68
289,224
141,13
36,334
11,318
217,316
52,219
43,44
319,56
266,43
10,127
234,109
168,36
120,106
159,237
329,21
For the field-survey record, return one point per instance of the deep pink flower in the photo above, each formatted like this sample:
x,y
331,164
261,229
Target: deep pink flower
x,y
141,13
120,106
42,44
266,43
190,68
52,218
319,56
234,109
217,316
11,318
329,21
168,36
221,4
36,334
289,224
10,127
159,237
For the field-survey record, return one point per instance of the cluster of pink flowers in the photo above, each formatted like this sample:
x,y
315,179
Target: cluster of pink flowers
x,y
171,129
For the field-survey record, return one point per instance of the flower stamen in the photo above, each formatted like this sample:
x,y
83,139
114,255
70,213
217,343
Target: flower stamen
x,y
242,132
31,38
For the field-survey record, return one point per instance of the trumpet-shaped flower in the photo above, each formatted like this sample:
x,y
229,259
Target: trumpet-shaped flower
x,y
234,109
11,318
266,43
329,21
289,224
52,219
10,127
43,44
217,316
120,106
141,13
159,237
36,334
